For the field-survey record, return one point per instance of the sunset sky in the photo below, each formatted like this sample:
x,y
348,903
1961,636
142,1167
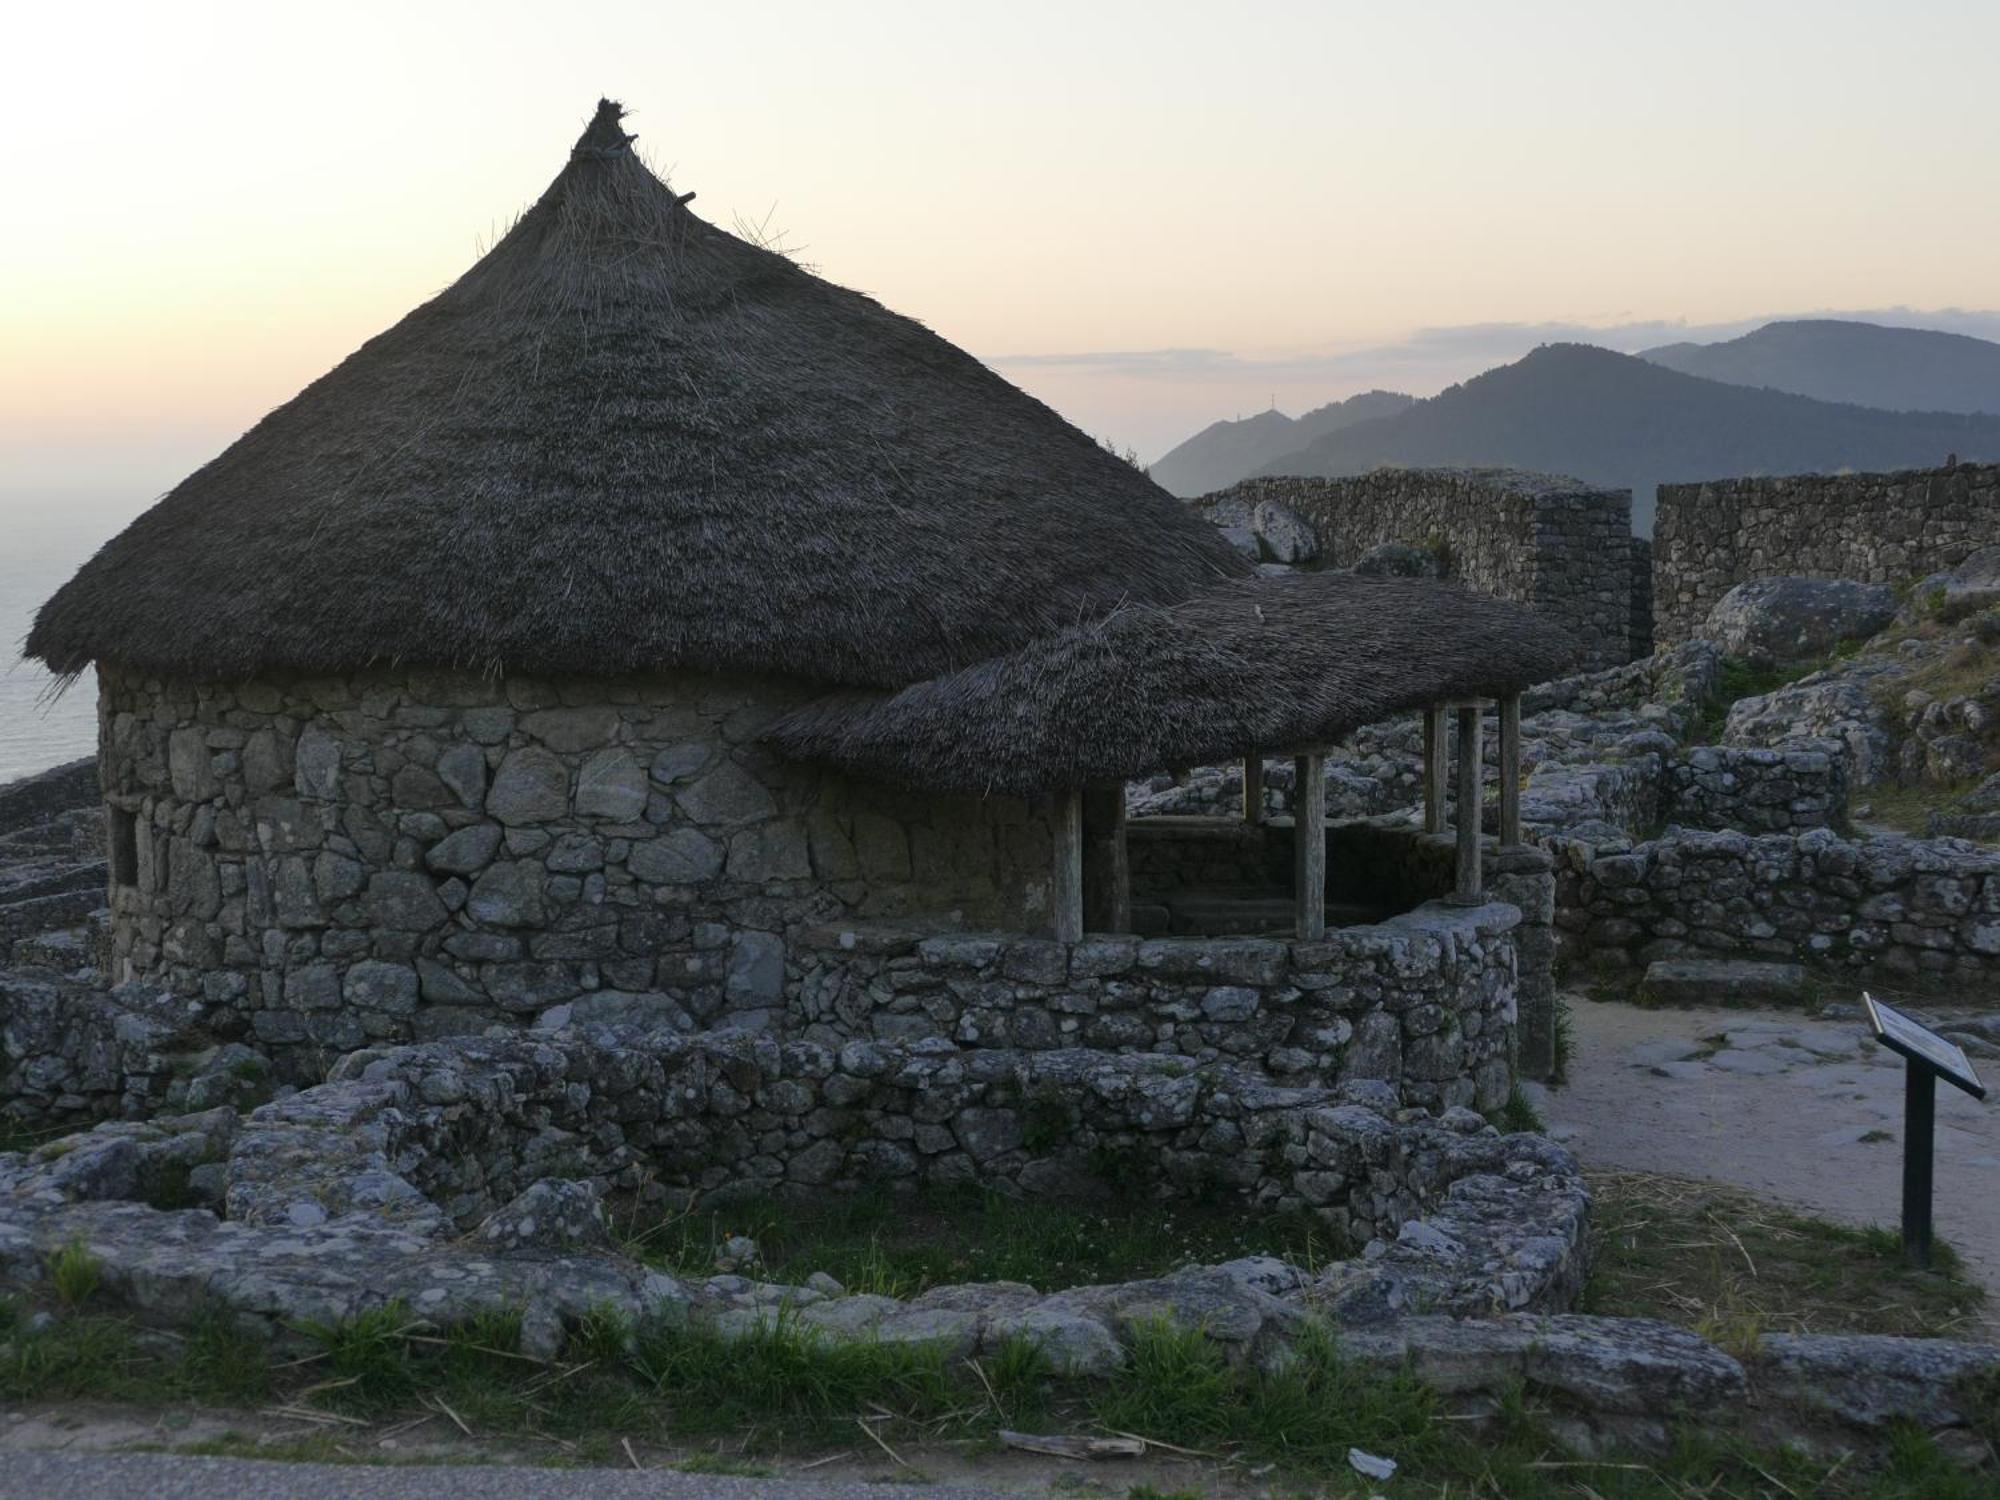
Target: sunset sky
x,y
1149,214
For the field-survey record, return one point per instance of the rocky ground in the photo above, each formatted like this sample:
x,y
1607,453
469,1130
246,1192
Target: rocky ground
x,y
1804,1109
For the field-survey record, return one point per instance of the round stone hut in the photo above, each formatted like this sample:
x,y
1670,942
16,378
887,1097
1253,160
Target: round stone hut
x,y
642,602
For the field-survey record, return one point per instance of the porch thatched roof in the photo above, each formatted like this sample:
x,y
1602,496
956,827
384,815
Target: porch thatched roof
x,y
1269,664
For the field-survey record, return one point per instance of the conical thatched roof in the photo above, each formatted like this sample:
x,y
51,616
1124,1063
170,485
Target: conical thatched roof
x,y
627,440
1271,664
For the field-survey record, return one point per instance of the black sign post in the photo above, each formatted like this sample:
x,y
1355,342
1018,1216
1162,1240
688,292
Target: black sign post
x,y
1926,1057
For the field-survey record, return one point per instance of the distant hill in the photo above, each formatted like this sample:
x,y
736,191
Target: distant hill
x,y
1622,422
1864,364
1224,452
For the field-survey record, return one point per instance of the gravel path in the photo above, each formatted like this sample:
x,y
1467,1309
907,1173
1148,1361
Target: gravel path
x,y
1791,1107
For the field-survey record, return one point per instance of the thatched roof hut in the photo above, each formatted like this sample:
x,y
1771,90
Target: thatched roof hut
x,y
629,440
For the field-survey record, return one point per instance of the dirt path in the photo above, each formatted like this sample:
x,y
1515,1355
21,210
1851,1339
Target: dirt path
x,y
1807,1111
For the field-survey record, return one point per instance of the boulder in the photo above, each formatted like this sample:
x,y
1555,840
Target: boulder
x,y
1970,587
1772,620
1286,536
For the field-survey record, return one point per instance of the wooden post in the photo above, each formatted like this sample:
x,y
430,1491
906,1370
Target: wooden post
x,y
1107,869
1468,891
1066,884
1436,750
1510,770
1309,844
1253,787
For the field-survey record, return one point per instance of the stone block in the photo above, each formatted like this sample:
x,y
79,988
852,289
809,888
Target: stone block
x,y
612,785
532,786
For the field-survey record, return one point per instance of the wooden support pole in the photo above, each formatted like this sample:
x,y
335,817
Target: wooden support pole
x,y
1253,787
1510,770
1066,883
1469,889
1436,750
1309,844
1107,869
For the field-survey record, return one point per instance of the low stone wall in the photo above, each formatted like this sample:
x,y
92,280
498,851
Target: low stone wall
x,y
1803,785
1879,528
464,1174
1907,907
1425,1002
1543,540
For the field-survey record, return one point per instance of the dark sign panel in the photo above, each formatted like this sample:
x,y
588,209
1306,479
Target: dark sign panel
x,y
1922,1045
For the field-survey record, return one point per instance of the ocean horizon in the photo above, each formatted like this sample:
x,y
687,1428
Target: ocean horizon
x,y
43,723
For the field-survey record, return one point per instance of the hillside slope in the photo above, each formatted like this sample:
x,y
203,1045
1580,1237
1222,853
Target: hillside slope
x,y
1622,422
1224,452
1863,364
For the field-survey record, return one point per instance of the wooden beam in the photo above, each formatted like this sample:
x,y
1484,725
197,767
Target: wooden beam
x,y
1107,868
1309,844
1510,770
1066,882
1469,888
1437,748
1253,787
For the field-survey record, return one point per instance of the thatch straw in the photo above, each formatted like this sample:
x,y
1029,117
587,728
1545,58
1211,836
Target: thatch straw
x,y
625,440
1269,664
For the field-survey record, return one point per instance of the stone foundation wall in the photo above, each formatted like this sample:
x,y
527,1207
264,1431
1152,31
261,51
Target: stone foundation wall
x,y
1541,540
470,1123
1804,785
1425,1002
1907,907
328,863
1880,528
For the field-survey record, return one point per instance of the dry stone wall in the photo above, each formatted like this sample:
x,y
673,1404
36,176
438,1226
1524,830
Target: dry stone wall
x,y
334,862
1918,908
1424,1003
1549,542
1879,528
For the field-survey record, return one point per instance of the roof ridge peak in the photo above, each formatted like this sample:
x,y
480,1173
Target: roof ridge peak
x,y
603,138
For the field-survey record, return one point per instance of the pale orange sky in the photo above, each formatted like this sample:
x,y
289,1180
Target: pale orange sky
x,y
207,205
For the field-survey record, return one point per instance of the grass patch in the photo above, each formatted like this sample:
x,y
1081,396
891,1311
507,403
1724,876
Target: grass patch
x,y
1517,1114
899,1244
75,1274
1739,679
1733,1266
787,1391
1908,809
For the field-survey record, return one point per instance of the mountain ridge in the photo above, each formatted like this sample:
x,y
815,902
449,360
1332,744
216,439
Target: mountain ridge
x,y
1622,422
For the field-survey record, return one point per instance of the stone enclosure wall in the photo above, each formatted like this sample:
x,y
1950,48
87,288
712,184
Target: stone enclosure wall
x,y
1913,908
1547,542
1425,1003
1803,785
1879,528
400,855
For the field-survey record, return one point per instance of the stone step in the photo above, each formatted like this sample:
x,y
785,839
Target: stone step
x,y
1725,981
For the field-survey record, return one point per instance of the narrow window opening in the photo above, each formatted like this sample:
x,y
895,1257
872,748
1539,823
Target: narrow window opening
x,y
122,845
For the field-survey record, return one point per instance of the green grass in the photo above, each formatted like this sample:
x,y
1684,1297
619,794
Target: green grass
x,y
1733,1266
786,1391
901,1244
1908,809
1737,680
75,1274
1517,1114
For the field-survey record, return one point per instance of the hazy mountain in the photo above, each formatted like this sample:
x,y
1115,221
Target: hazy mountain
x,y
1620,421
1865,364
1224,452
